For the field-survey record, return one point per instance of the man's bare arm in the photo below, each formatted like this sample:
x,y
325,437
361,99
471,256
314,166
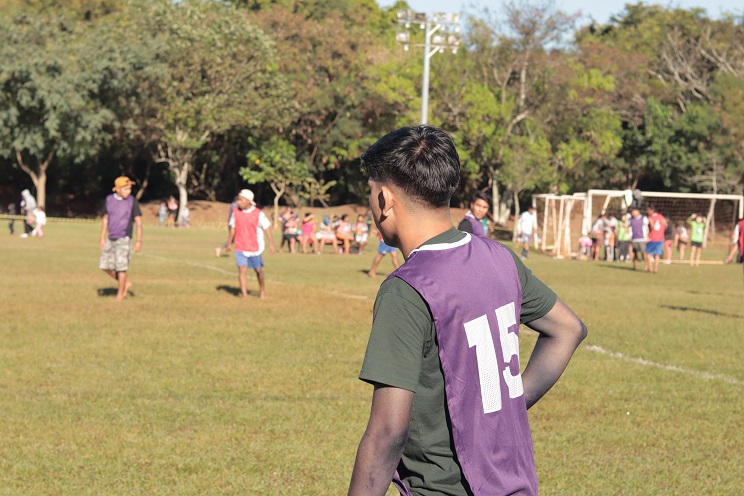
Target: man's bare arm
x,y
561,332
382,444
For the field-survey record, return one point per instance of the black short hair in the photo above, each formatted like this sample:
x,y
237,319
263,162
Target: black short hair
x,y
481,196
421,160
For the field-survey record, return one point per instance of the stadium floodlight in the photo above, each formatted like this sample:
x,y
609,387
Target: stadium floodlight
x,y
441,33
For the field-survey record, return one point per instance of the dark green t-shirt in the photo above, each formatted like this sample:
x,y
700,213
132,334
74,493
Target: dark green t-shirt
x,y
403,352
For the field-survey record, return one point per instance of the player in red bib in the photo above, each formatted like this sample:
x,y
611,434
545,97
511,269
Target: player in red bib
x,y
247,227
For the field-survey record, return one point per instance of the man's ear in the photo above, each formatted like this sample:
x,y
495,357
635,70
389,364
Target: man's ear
x,y
387,200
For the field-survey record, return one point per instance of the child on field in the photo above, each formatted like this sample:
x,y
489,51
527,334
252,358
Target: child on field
x,y
185,216
361,233
609,242
624,238
585,247
307,237
162,212
682,240
697,226
39,222
11,222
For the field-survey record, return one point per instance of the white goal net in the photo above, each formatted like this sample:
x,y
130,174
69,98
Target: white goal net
x,y
720,211
559,223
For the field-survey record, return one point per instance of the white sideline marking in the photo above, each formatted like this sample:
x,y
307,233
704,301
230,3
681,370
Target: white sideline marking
x,y
672,368
250,277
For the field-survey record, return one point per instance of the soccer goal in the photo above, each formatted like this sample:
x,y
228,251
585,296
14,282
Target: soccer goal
x,y
720,211
559,222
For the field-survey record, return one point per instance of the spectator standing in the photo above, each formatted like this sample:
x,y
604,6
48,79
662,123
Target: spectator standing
x,y
473,220
682,239
224,246
527,226
449,407
307,238
624,237
597,235
697,237
162,213
668,239
11,222
738,242
657,227
121,213
185,216
247,227
639,235
172,211
28,205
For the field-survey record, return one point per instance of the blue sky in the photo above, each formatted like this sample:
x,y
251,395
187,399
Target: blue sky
x,y
599,10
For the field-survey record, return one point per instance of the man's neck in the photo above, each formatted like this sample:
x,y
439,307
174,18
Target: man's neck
x,y
416,228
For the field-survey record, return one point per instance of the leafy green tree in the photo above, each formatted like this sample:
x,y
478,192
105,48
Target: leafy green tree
x,y
274,161
221,75
58,80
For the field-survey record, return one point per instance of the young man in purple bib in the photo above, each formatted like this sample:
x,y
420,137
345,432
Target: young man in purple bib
x,y
120,215
449,407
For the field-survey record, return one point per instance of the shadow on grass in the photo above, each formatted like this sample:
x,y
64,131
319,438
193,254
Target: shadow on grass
x,y
611,265
111,292
233,290
703,310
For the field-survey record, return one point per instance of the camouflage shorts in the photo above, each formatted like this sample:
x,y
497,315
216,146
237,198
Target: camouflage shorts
x,y
116,254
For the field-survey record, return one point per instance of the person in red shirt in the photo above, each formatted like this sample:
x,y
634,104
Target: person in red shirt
x,y
247,227
657,225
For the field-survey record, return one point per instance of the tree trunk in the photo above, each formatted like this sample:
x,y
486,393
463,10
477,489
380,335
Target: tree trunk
x,y
516,214
182,178
494,197
38,178
278,192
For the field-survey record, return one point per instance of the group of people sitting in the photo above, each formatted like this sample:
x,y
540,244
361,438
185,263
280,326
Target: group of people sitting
x,y
339,232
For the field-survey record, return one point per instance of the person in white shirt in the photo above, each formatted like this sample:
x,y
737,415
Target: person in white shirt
x,y
527,225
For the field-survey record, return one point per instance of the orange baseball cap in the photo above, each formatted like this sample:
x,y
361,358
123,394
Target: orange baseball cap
x,y
122,181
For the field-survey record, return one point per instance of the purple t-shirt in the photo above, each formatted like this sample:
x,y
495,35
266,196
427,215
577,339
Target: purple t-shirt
x,y
475,225
638,228
476,316
121,213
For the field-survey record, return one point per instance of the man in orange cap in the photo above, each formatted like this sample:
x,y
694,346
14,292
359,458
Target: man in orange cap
x,y
120,215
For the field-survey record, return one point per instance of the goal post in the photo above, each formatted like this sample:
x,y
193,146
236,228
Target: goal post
x,y
559,219
720,211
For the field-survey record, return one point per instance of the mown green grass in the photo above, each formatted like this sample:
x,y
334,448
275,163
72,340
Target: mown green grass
x,y
186,389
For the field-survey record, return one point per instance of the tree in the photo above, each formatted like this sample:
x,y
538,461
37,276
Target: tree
x,y
221,75
56,78
274,161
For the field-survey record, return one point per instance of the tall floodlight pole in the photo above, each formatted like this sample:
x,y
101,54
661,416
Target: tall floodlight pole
x,y
448,25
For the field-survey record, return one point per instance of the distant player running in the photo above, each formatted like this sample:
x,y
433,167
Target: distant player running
x,y
449,407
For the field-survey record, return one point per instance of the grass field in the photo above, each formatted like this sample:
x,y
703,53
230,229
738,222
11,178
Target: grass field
x,y
186,389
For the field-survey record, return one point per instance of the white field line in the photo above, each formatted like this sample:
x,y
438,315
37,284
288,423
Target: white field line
x,y
671,368
248,276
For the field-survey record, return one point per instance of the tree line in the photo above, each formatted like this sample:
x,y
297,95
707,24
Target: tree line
x,y
200,97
